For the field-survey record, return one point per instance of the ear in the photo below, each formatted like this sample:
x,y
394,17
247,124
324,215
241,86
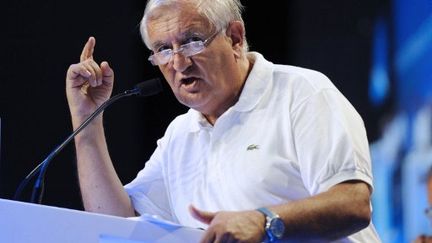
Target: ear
x,y
235,32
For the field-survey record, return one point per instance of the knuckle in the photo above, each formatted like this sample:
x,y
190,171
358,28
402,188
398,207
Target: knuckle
x,y
88,62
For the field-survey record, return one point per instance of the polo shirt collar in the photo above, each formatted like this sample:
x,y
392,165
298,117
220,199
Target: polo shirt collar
x,y
198,121
254,89
256,83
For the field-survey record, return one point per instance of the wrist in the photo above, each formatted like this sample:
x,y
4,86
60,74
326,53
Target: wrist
x,y
93,131
78,118
274,226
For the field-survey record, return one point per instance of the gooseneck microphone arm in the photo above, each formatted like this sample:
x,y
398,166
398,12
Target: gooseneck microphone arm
x,y
146,88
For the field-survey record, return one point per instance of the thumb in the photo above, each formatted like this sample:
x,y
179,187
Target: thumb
x,y
203,216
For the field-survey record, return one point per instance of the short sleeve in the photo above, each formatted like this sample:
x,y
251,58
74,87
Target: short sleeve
x,y
331,142
148,191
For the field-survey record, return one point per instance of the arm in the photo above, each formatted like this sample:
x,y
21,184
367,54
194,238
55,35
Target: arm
x,y
342,210
88,85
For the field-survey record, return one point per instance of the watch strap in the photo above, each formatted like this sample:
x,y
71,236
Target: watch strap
x,y
267,212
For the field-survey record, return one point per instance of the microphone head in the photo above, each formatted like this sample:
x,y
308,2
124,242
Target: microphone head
x,y
148,87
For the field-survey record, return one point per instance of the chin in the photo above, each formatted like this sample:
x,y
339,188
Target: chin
x,y
192,102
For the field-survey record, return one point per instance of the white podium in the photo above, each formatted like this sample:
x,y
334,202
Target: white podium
x,y
27,223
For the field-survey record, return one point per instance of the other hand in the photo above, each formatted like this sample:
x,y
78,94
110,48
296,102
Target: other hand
x,y
224,226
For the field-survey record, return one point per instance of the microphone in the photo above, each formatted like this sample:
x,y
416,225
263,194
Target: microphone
x,y
146,88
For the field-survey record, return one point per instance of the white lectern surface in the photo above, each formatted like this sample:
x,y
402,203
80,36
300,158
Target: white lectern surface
x,y
27,223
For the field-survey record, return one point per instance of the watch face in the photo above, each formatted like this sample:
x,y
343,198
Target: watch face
x,y
277,227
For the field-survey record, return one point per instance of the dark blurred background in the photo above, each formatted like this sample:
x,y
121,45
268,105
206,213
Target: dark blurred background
x,y
39,40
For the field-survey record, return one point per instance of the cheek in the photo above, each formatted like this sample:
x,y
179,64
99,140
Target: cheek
x,y
218,65
168,75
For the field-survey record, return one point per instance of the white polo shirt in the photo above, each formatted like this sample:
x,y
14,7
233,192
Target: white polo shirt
x,y
291,135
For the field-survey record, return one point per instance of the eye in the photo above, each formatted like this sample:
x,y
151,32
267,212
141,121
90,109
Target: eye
x,y
162,48
193,39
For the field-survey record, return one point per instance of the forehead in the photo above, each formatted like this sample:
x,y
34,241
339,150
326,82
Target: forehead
x,y
167,23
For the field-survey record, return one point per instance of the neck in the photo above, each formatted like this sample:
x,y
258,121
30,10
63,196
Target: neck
x,y
245,67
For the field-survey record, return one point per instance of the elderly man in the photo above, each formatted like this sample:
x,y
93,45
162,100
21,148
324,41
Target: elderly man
x,y
267,152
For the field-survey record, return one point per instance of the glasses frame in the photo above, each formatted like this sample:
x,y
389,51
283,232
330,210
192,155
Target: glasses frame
x,y
157,58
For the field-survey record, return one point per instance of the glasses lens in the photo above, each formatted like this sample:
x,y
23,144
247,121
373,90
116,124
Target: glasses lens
x,y
187,50
192,48
161,57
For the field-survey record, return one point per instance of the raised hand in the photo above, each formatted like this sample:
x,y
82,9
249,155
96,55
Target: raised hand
x,y
88,84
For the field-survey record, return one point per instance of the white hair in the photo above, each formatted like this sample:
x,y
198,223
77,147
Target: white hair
x,y
218,12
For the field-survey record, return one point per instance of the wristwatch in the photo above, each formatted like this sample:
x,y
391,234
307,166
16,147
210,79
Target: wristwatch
x,y
274,226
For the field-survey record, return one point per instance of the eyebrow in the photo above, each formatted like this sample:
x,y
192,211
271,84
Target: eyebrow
x,y
157,44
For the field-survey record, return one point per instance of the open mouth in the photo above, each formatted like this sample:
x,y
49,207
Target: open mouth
x,y
188,81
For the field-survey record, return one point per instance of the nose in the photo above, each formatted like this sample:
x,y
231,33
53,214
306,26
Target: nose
x,y
180,62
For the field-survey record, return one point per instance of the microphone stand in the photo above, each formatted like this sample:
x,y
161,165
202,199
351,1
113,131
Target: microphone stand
x,y
153,86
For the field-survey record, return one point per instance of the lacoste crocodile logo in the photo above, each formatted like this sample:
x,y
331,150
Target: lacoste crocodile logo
x,y
252,147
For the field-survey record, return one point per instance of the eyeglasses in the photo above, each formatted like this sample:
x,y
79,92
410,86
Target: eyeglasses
x,y
187,50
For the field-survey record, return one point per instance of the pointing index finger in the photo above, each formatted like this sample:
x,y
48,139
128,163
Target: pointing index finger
x,y
87,52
